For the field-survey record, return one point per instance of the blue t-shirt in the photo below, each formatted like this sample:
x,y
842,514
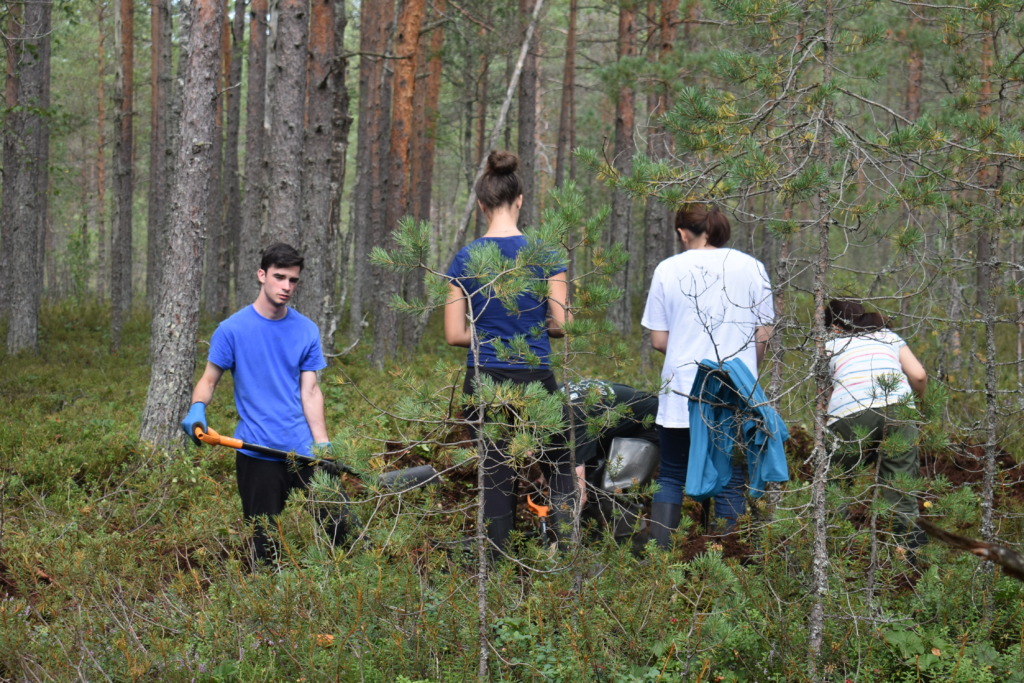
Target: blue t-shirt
x,y
265,358
495,323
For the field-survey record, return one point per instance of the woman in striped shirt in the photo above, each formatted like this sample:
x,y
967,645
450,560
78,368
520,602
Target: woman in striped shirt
x,y
875,376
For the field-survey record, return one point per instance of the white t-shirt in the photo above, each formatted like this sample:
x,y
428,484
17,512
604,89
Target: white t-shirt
x,y
866,372
710,301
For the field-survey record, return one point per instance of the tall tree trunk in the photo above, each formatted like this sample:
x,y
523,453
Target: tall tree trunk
x,y
658,232
231,180
387,332
25,174
176,319
567,113
620,313
820,456
529,83
215,279
342,125
319,223
11,168
102,279
251,237
371,136
121,244
160,150
482,100
915,63
427,94
287,83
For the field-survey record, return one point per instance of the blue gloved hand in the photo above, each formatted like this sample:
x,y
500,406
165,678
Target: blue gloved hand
x,y
196,418
324,449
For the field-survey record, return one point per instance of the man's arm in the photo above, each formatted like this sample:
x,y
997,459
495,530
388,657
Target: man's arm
x,y
203,392
313,405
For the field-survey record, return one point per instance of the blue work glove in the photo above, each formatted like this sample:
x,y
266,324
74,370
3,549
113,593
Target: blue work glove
x,y
324,449
196,418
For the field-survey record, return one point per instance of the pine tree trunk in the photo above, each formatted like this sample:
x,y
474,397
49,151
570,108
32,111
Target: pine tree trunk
x,y
658,220
251,235
371,136
215,299
102,279
176,319
121,243
620,313
529,83
287,84
319,224
425,110
25,173
160,150
342,125
820,457
566,116
388,330
232,180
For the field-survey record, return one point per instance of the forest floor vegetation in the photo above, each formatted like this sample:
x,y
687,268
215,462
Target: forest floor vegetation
x,y
118,563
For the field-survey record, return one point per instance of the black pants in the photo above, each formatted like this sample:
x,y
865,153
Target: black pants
x,y
264,487
499,474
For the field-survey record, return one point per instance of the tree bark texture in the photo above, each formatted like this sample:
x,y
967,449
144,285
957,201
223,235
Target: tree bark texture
x,y
620,313
387,331
232,181
176,319
25,174
425,111
215,277
102,279
371,136
820,456
529,84
319,222
121,235
287,83
250,239
567,112
160,150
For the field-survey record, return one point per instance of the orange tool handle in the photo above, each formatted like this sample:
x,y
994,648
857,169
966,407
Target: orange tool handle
x,y
214,439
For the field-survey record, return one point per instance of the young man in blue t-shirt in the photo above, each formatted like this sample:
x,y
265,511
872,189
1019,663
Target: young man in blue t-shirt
x,y
273,353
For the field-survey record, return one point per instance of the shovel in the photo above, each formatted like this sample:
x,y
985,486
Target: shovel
x,y
406,479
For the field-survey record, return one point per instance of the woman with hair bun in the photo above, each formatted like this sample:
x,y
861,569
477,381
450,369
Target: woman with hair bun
x,y
473,314
874,372
708,302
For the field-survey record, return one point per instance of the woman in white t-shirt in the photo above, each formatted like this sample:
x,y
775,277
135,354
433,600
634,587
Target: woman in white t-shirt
x,y
709,302
875,376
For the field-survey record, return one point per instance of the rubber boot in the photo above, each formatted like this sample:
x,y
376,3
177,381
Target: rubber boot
x,y
664,521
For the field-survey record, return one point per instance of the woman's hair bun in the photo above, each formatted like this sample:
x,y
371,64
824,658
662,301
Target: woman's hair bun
x,y
500,162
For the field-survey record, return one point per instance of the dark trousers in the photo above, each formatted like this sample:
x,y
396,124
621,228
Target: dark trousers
x,y
675,457
875,425
499,473
264,487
